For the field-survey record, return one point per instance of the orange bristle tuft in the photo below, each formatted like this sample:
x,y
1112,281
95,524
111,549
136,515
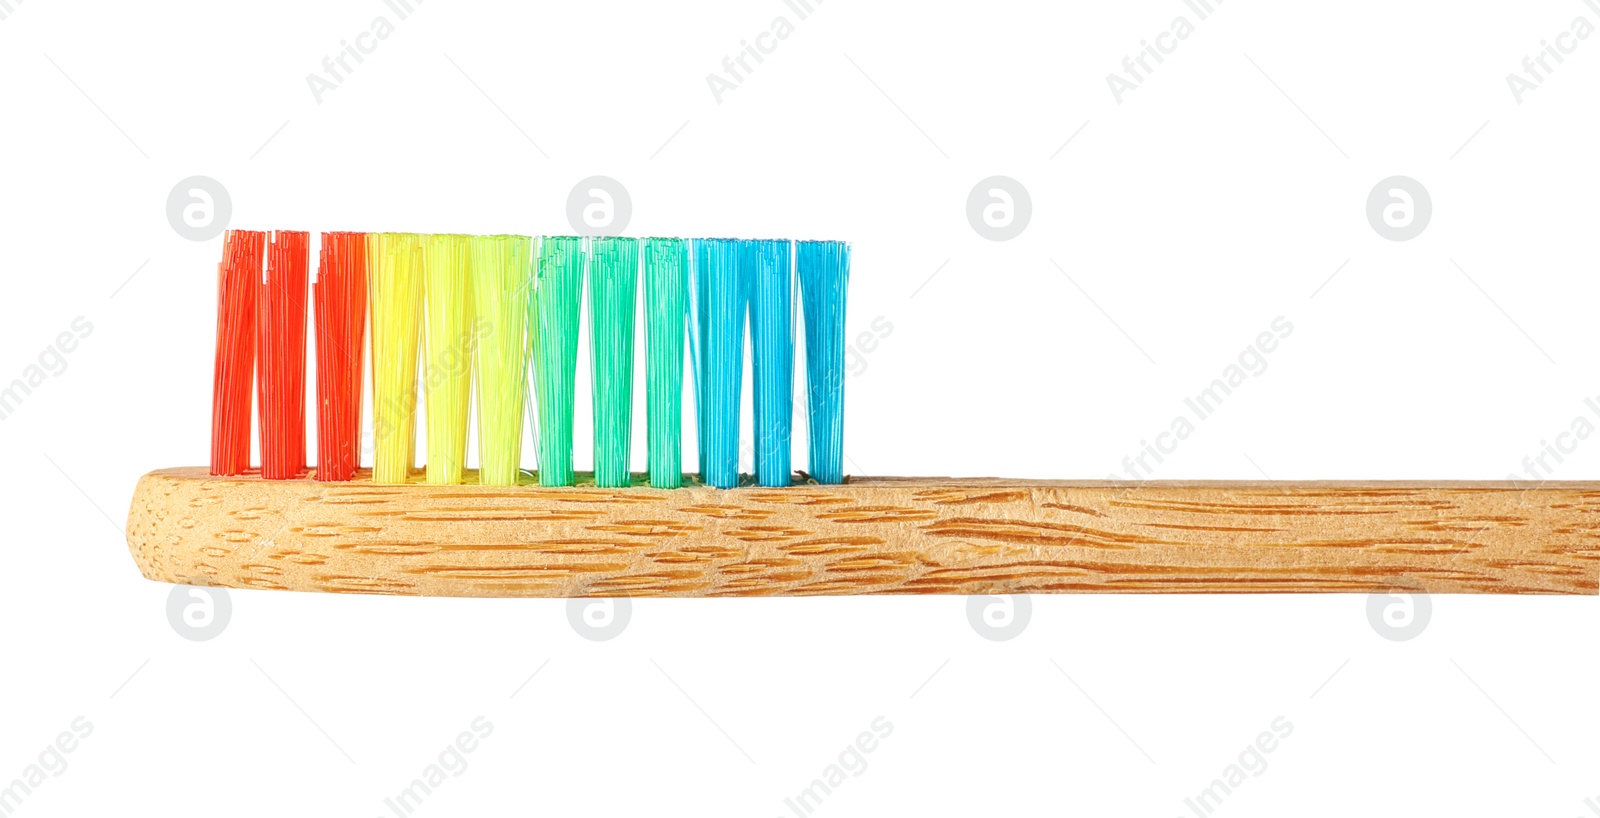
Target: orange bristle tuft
x,y
341,309
281,350
238,277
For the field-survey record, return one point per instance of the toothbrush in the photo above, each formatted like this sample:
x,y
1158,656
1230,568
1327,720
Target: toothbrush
x,y
497,318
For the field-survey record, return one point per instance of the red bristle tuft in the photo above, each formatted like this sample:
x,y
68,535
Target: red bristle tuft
x,y
238,276
281,348
341,308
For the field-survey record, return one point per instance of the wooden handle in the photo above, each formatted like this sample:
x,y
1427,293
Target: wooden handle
x,y
869,536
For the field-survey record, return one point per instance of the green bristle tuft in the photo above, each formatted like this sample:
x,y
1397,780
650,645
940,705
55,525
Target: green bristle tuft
x,y
502,290
666,281
555,320
613,285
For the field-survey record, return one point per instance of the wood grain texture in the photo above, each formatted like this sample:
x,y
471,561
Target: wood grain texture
x,y
869,536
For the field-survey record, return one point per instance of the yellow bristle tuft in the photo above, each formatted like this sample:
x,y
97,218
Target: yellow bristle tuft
x,y
394,284
502,289
451,337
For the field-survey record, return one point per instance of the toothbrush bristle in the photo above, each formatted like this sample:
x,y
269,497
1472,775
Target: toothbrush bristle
x,y
666,279
238,281
447,364
722,297
341,317
394,272
823,268
772,350
558,300
454,319
281,348
613,289
502,290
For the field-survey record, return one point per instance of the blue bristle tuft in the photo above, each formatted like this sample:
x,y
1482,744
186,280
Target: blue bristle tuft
x,y
823,268
666,281
772,350
722,296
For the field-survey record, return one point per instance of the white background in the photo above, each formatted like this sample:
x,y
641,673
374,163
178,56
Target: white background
x,y
1222,193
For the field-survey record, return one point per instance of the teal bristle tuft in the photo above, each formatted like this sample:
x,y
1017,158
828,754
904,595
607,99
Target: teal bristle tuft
x,y
772,350
823,268
722,297
557,304
613,286
666,282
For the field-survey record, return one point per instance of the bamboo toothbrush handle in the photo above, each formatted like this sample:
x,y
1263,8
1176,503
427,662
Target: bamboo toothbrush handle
x,y
871,535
